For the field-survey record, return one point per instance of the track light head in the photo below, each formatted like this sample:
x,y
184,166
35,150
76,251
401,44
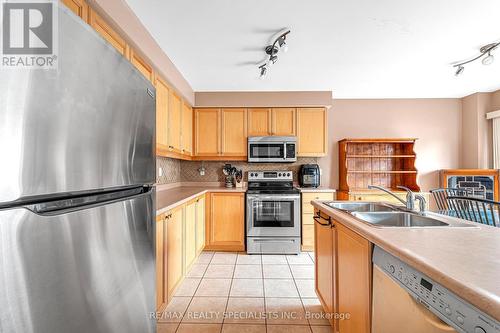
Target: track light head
x,y
488,60
263,71
460,70
272,50
272,60
282,44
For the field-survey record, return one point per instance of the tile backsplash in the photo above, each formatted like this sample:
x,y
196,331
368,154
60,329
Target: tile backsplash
x,y
213,169
171,170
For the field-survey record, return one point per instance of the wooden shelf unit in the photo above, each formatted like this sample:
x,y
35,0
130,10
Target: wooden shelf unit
x,y
383,162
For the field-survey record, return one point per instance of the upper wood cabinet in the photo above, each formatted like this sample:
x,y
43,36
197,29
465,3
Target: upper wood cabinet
x,y
207,132
79,7
142,65
312,131
226,222
162,92
187,129
174,121
284,121
259,122
354,280
108,33
234,132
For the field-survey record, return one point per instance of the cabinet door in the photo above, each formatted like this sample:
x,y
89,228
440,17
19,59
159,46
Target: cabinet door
x,y
174,121
312,131
161,116
207,132
110,35
227,222
141,65
354,278
174,250
79,7
190,235
187,129
160,260
259,122
284,121
234,132
200,224
325,261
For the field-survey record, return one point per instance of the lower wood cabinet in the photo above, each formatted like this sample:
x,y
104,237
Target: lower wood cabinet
x,y
200,224
307,216
161,297
343,274
226,222
174,250
190,234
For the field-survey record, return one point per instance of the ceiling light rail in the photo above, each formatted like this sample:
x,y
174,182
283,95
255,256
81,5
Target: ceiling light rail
x,y
484,51
272,51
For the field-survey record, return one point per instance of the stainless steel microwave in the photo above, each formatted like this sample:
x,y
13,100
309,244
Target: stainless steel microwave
x,y
272,149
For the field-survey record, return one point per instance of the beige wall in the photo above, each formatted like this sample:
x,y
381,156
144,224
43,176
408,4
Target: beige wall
x,y
263,99
435,122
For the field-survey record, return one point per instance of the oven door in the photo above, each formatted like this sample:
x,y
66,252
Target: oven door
x,y
273,215
266,152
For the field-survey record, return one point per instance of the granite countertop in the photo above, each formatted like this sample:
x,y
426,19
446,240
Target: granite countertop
x,y
464,260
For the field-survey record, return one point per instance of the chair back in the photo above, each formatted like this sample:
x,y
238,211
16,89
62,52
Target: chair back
x,y
475,209
441,194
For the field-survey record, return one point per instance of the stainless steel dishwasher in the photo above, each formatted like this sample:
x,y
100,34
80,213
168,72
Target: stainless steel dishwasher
x,y
405,300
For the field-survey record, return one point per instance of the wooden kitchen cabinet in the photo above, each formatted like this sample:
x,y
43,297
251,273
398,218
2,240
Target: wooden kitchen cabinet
x,y
234,132
312,131
108,33
226,222
259,122
187,129
190,234
174,121
307,216
200,224
354,280
284,121
142,65
174,245
162,92
161,298
207,132
325,267
79,7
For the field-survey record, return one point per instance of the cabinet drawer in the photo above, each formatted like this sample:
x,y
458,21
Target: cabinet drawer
x,y
307,218
308,197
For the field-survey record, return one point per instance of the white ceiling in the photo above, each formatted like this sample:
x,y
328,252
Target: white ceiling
x,y
355,48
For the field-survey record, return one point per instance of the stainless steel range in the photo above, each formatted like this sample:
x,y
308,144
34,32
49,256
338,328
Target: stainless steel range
x,y
273,213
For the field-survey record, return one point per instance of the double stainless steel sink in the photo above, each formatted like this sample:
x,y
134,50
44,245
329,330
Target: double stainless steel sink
x,y
387,215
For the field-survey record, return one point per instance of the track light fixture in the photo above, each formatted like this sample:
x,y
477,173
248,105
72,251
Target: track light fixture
x,y
272,51
485,53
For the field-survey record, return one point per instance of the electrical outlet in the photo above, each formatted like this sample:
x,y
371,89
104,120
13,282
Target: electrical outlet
x,y
160,171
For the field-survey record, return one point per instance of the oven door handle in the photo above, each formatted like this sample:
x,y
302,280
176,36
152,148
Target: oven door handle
x,y
259,197
318,219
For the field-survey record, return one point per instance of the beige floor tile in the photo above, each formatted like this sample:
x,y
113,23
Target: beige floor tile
x,y
205,257
273,259
197,270
314,312
199,328
206,310
280,288
166,327
306,288
188,287
224,258
299,259
248,259
175,310
285,311
219,271
302,271
287,329
245,310
243,328
214,287
276,271
248,272
247,288
322,329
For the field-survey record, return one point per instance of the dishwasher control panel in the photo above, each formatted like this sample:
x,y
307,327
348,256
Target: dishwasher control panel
x,y
453,310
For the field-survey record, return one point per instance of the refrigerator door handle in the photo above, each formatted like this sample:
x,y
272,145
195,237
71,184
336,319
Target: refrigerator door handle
x,y
66,205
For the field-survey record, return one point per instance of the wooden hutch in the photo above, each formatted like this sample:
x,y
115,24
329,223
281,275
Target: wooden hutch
x,y
383,162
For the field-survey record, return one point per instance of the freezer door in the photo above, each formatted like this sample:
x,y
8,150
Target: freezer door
x,y
90,270
88,125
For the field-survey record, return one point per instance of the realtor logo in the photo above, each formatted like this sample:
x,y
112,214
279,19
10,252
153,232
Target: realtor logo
x,y
28,34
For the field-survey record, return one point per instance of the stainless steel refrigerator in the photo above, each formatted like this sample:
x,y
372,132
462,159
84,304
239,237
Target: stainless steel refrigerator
x,y
77,208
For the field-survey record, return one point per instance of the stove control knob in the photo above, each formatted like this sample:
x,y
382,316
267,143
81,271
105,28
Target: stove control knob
x,y
279,174
479,329
392,269
447,311
288,174
460,320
